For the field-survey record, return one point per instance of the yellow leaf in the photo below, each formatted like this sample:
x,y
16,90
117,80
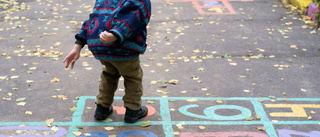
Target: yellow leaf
x,y
233,64
257,117
261,128
192,100
176,133
202,127
77,133
55,80
49,121
196,51
28,113
109,128
219,101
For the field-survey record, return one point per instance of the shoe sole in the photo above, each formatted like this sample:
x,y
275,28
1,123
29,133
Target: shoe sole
x,y
135,120
102,117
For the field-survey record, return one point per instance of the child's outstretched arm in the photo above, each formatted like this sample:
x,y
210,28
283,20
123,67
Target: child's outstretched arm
x,y
73,56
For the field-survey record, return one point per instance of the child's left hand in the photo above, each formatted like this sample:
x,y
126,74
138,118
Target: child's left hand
x,y
107,37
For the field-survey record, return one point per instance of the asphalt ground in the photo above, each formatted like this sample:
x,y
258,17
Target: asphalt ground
x,y
212,68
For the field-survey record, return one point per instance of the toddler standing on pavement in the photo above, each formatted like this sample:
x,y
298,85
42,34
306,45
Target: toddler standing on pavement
x,y
116,35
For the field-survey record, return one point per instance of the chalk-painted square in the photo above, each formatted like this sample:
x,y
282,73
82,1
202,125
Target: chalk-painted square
x,y
204,110
29,131
119,111
294,130
204,130
292,110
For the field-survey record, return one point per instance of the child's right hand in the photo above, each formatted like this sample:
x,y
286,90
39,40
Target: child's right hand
x,y
73,56
107,37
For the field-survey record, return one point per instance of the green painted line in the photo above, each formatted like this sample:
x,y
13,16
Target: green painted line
x,y
166,117
258,108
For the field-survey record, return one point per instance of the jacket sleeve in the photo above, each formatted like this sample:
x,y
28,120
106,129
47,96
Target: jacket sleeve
x,y
81,36
131,19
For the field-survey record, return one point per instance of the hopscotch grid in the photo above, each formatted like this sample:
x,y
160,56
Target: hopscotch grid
x,y
167,122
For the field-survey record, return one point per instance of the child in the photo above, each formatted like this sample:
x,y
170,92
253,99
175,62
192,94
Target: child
x,y
116,35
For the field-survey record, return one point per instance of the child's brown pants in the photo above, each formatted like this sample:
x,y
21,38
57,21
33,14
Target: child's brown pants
x,y
132,74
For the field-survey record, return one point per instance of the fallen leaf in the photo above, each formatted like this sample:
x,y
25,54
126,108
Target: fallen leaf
x,y
233,64
312,112
21,103
192,100
21,99
108,120
3,77
180,125
29,81
74,108
49,122
109,128
29,72
260,128
174,82
145,124
77,133
176,133
310,117
89,68
14,77
201,69
249,118
275,121
219,101
28,113
55,128
257,117
202,127
9,94
55,80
